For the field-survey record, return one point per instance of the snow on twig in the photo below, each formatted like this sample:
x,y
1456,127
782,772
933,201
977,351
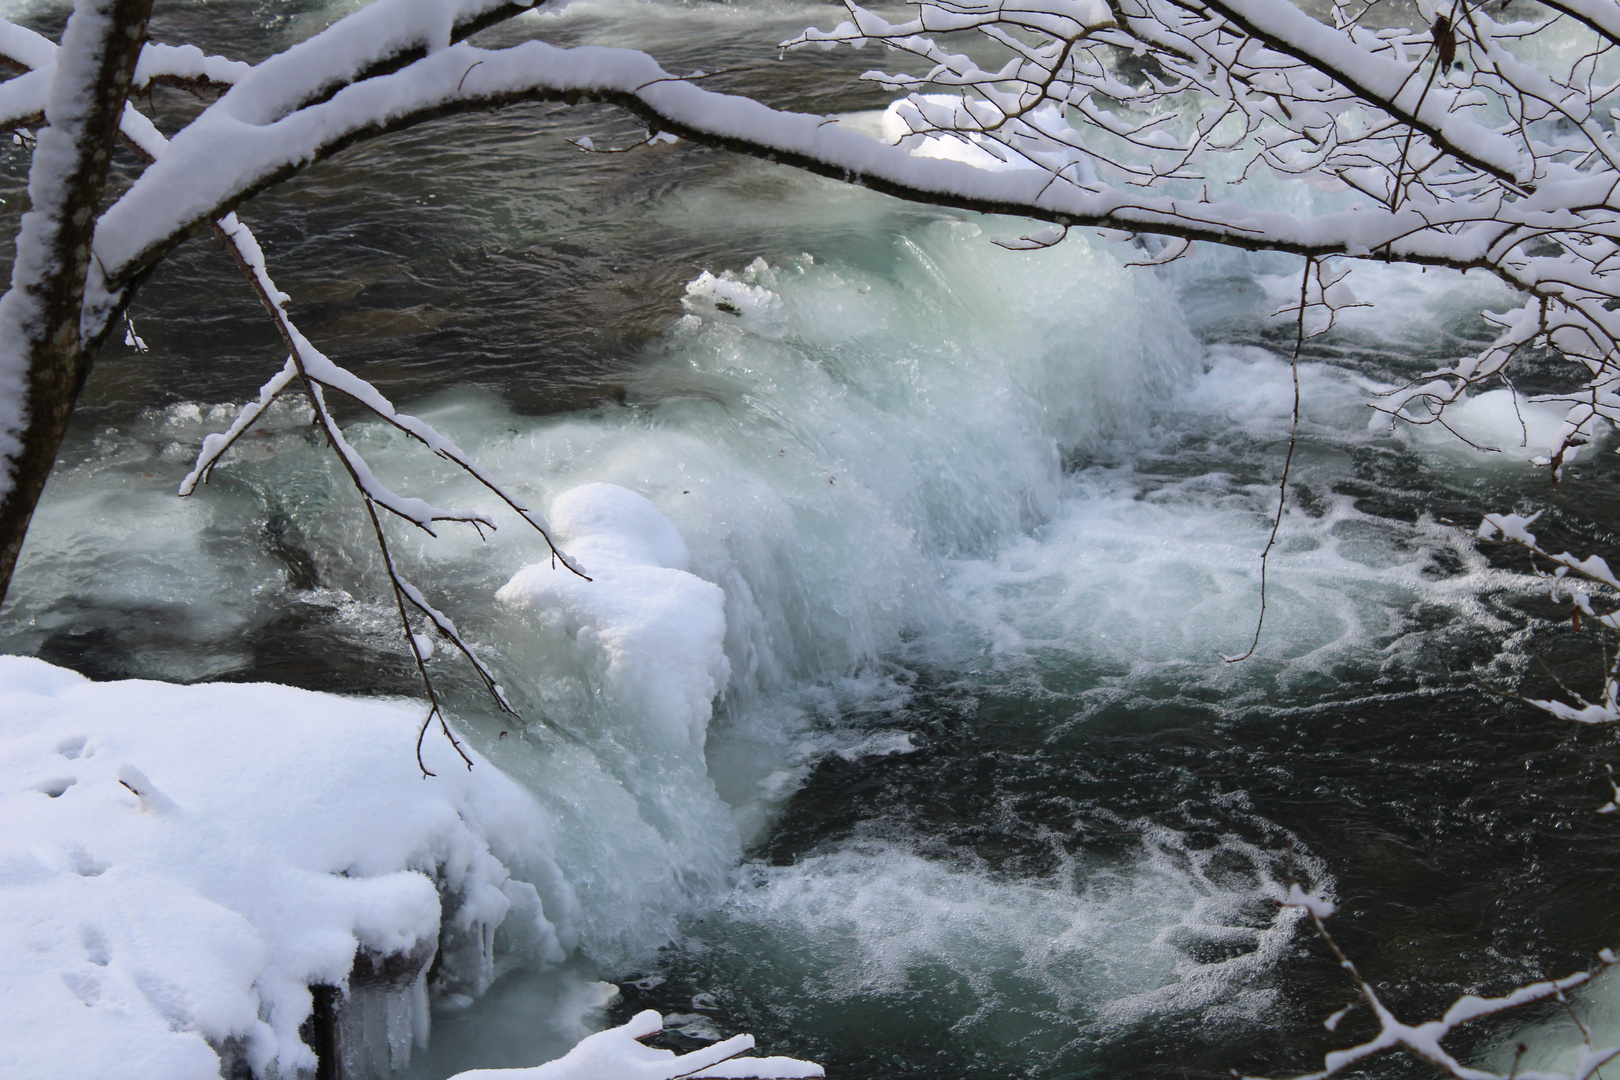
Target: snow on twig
x,y
1614,803
618,1052
1450,183
1467,150
186,65
215,445
1515,529
1424,1040
305,357
1266,85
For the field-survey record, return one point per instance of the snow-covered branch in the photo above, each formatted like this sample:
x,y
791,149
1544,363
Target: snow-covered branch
x,y
44,352
1464,172
619,1053
315,373
1507,168
306,366
1424,1040
1458,141
1464,139
1467,153
1583,581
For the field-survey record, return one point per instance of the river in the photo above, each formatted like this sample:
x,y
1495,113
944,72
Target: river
x,y
981,798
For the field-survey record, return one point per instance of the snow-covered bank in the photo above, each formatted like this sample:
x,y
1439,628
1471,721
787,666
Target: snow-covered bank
x,y
181,863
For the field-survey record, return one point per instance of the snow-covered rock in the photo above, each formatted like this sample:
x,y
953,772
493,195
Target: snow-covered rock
x,y
180,864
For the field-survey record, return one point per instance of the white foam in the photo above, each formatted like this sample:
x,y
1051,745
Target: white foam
x,y
1127,584
876,926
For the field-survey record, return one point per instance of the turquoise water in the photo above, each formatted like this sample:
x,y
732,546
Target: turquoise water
x,y
981,798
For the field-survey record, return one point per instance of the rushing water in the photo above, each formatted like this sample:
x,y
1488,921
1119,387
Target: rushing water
x,y
981,797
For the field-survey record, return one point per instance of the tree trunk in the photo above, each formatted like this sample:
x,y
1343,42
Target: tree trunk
x,y
39,317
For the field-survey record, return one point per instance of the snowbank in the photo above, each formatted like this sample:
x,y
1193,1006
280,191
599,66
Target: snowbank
x,y
654,633
179,864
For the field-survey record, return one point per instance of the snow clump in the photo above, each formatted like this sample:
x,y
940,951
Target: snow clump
x,y
653,633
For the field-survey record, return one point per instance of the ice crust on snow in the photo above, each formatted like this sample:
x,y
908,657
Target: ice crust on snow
x,y
760,310
654,632
181,863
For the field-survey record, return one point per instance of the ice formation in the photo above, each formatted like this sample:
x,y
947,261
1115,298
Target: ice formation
x,y
653,632
1502,423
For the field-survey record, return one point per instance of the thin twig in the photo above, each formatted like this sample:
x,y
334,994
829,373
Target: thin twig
x,y
1288,461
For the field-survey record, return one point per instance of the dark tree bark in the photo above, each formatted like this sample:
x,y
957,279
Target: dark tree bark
x,y
46,300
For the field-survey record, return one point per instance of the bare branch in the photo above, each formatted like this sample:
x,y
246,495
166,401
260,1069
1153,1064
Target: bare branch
x,y
22,48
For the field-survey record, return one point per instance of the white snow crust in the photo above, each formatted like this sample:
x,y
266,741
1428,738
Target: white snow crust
x,y
180,863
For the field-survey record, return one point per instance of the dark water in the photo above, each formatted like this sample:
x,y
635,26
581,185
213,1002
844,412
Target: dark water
x,y
1460,838
1455,826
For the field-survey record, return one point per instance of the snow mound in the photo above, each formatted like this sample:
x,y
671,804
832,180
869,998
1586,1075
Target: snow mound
x,y
181,863
653,632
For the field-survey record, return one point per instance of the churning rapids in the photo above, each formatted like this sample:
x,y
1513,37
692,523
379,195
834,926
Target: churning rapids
x,y
980,797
